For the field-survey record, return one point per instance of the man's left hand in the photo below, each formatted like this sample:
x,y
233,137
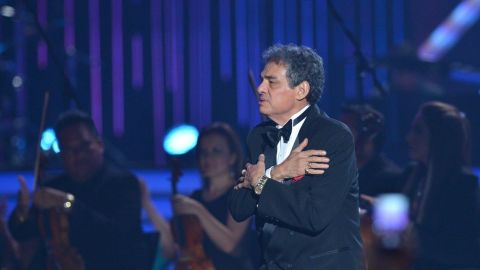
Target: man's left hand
x,y
252,173
46,198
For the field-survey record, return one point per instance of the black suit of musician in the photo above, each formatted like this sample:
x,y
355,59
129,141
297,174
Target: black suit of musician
x,y
307,215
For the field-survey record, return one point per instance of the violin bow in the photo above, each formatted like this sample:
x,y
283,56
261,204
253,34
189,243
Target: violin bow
x,y
36,174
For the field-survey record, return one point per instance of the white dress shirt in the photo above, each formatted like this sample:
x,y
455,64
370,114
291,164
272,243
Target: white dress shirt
x,y
284,149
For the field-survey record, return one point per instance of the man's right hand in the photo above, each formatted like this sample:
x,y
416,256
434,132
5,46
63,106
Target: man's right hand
x,y
301,162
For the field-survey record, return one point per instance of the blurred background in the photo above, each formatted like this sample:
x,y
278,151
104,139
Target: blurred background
x,y
141,67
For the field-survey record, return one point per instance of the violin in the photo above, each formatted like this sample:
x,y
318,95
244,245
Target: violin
x,y
53,223
188,233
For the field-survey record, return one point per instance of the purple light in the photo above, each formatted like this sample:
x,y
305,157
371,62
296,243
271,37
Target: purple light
x,y
174,58
137,61
157,81
446,35
95,64
390,213
117,69
42,55
42,51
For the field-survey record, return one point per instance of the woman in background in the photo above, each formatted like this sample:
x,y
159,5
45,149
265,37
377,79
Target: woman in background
x,y
219,157
442,190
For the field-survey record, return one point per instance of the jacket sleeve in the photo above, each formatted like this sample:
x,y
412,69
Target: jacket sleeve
x,y
311,204
119,211
242,203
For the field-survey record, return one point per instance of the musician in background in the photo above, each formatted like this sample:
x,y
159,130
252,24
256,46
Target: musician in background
x,y
219,156
377,174
443,191
102,205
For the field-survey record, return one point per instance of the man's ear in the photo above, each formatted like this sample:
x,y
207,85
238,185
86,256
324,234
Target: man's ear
x,y
302,90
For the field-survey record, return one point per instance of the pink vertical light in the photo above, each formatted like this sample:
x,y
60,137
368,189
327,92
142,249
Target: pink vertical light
x,y
95,64
117,69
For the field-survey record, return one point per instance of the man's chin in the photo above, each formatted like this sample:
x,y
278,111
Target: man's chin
x,y
263,110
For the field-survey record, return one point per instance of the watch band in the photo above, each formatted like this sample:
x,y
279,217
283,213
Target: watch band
x,y
261,183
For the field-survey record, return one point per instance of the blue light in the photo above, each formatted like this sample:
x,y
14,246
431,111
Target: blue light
x,y
180,140
49,141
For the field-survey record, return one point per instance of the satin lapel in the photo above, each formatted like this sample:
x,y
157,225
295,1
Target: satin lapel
x,y
306,130
270,156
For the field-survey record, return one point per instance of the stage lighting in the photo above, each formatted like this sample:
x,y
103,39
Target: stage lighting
x,y
447,34
7,11
181,139
17,81
49,141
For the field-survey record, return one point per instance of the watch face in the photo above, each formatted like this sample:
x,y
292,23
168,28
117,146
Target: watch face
x,y
258,189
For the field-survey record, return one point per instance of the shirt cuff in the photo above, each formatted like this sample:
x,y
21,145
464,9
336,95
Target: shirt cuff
x,y
268,172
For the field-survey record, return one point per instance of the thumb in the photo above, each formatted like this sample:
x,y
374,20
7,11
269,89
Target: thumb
x,y
369,199
261,158
301,146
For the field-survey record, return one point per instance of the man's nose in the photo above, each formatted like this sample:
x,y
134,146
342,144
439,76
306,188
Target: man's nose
x,y
261,88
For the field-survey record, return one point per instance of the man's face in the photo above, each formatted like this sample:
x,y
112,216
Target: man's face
x,y
81,151
276,98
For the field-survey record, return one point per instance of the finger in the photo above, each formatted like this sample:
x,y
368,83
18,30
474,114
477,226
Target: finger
x,y
314,152
317,159
315,171
243,172
367,198
261,158
301,146
242,185
248,166
314,165
238,186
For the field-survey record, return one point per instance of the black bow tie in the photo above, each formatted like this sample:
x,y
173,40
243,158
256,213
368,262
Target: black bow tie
x,y
274,134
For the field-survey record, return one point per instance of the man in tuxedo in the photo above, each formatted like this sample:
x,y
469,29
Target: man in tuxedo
x,y
306,215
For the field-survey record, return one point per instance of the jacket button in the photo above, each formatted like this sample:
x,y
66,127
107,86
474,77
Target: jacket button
x,y
291,233
289,265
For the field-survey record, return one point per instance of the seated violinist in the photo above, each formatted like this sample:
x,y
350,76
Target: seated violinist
x,y
99,204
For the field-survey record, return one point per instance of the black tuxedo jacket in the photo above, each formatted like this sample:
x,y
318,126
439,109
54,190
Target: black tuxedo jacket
x,y
312,223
